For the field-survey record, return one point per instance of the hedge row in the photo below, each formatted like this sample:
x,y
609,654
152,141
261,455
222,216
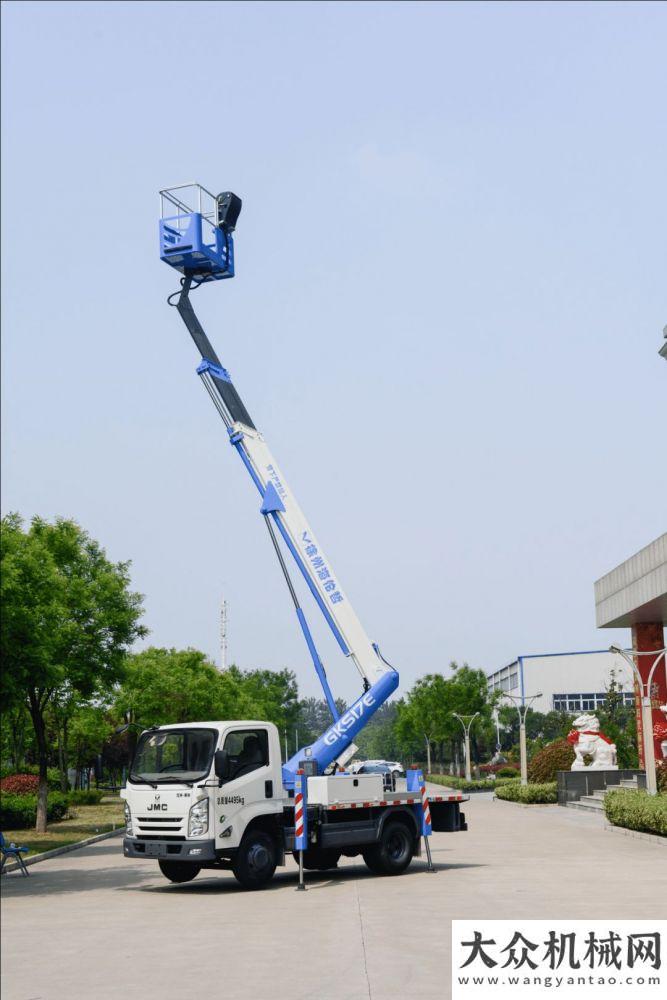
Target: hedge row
x,y
20,811
500,770
536,794
636,810
463,785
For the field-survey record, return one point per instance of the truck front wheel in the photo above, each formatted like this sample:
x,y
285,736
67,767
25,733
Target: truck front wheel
x,y
179,871
255,861
393,852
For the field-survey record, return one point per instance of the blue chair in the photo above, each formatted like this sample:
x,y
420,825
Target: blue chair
x,y
11,851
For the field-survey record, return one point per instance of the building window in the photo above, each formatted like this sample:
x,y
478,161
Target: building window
x,y
560,703
588,702
574,702
514,681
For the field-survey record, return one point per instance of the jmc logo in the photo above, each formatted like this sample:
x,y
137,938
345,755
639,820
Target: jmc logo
x,y
154,806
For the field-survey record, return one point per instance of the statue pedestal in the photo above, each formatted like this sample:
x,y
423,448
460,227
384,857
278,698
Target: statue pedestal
x,y
593,767
573,784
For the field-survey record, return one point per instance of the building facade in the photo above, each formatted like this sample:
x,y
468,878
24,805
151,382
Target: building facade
x,y
634,595
568,682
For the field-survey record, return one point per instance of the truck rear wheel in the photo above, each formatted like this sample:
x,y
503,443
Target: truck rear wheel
x,y
179,871
393,852
255,861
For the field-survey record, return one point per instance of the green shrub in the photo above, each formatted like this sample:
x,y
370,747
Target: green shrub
x,y
462,785
661,775
85,797
636,810
20,811
536,794
507,772
556,756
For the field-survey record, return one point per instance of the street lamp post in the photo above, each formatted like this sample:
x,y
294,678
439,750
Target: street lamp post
x,y
522,706
647,714
466,730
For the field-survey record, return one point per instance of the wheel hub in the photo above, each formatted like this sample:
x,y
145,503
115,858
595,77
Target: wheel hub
x,y
258,857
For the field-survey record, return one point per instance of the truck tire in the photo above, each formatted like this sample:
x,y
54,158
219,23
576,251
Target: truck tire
x,y
255,861
319,859
179,871
393,852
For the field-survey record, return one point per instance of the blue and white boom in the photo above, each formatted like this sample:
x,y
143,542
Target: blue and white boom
x,y
196,238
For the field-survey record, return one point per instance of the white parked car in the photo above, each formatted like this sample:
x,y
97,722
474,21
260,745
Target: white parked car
x,y
396,768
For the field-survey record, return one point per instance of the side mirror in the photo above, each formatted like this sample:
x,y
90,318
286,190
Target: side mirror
x,y
222,766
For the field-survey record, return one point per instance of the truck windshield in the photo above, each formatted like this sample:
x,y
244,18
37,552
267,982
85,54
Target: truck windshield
x,y
180,754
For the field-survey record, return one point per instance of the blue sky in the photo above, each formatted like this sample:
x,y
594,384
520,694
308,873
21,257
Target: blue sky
x,y
449,299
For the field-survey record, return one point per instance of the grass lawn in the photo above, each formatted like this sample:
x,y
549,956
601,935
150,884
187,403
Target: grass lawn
x,y
82,822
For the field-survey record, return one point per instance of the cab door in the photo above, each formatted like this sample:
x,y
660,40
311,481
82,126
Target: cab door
x,y
250,788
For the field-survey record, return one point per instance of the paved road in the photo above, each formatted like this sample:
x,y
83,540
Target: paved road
x,y
92,926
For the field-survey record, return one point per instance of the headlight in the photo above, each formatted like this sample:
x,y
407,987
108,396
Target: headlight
x,y
128,820
198,818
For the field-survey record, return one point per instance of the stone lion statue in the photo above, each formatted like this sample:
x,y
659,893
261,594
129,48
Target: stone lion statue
x,y
587,741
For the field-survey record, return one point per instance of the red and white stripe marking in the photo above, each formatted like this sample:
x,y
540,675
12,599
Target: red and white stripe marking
x,y
399,802
427,811
298,814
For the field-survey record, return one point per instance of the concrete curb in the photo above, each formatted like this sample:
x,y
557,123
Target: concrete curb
x,y
45,855
652,838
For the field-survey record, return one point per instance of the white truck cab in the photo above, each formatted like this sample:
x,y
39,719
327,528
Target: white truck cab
x,y
179,811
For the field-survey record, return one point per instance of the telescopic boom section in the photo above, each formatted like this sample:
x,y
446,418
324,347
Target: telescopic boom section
x,y
285,520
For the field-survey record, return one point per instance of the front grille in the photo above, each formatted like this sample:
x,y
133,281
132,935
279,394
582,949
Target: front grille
x,y
160,819
159,825
148,836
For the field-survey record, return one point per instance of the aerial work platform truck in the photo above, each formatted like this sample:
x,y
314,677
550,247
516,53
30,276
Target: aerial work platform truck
x,y
217,795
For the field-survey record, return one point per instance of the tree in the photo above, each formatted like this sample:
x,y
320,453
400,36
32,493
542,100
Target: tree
x,y
315,717
162,686
470,694
89,729
69,617
378,740
272,694
618,722
426,714
15,737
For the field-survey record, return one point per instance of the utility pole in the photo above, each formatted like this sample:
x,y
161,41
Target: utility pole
x,y
647,712
522,706
496,719
466,729
223,636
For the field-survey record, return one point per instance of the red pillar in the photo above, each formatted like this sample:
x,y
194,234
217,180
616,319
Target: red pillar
x,y
647,637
